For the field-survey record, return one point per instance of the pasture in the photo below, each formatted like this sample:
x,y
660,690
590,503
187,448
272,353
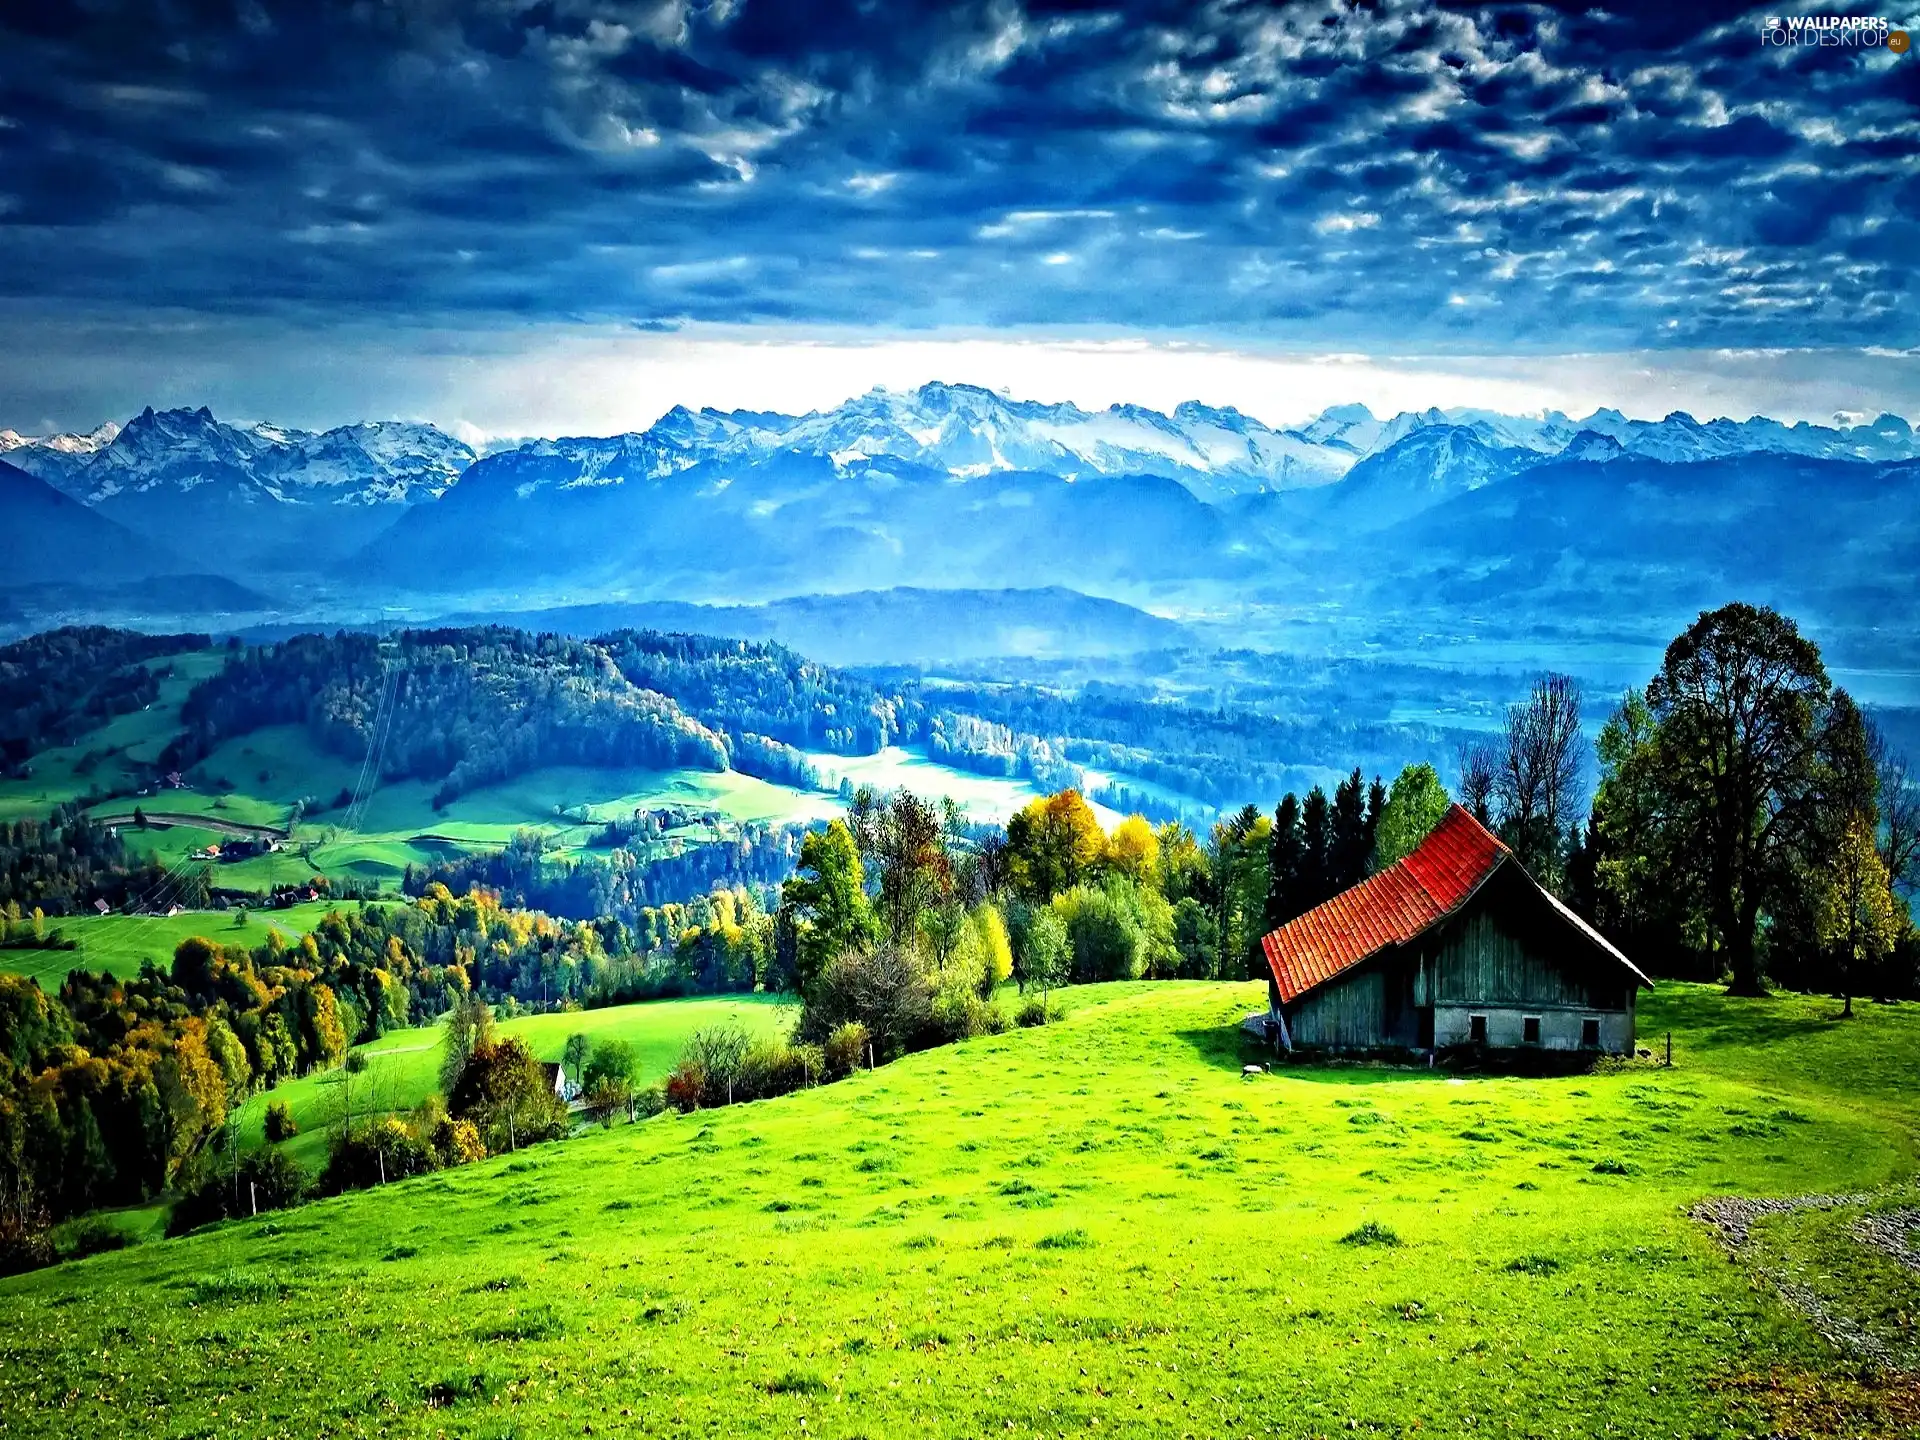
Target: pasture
x,y
403,1066
1099,1227
120,944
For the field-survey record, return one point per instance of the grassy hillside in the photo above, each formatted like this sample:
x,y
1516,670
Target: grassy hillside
x,y
1099,1227
119,944
403,1066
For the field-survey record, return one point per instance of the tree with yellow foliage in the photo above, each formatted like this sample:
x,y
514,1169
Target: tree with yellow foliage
x,y
1855,915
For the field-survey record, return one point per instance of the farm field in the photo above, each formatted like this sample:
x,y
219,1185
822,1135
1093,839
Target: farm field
x,y
119,944
403,1066
897,767
1097,1227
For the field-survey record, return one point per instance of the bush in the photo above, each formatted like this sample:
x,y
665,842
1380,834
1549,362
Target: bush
x,y
846,1049
649,1102
264,1180
961,1014
25,1247
685,1084
1035,1010
1371,1233
94,1235
457,1142
279,1123
886,990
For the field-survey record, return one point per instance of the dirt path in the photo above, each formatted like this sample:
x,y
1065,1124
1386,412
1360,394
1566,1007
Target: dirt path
x,y
168,819
1893,1233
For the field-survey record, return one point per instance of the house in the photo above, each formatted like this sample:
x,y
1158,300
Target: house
x,y
564,1089
1453,947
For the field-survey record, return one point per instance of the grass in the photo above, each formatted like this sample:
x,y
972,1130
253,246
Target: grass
x,y
119,944
1097,1226
985,797
403,1065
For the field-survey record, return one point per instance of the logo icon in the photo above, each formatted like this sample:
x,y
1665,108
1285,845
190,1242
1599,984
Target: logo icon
x,y
1899,42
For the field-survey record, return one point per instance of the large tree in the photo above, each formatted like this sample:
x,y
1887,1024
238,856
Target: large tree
x,y
1537,779
825,903
1737,707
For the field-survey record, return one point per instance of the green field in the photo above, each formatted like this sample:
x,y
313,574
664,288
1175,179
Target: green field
x,y
403,1066
119,944
985,797
1100,1227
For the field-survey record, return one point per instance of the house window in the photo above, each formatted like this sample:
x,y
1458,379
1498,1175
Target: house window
x,y
1590,1033
1477,1029
1530,1030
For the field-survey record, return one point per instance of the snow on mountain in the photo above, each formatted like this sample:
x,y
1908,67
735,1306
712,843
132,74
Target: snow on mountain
x,y
166,451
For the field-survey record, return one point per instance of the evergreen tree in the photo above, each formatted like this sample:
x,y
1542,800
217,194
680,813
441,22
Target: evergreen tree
x,y
1286,854
1351,842
1316,860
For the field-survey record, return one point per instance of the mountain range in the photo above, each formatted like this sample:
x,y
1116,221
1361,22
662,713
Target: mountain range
x,y
1202,510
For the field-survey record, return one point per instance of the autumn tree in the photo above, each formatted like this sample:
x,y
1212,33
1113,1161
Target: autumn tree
x,y
1053,844
1857,920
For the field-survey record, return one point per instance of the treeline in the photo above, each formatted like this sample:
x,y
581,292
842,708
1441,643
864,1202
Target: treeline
x,y
757,688
622,885
464,708
64,864
56,686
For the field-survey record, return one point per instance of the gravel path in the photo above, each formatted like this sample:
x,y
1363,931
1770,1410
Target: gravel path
x,y
1894,1233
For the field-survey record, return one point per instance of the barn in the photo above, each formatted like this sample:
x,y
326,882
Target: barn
x,y
1453,947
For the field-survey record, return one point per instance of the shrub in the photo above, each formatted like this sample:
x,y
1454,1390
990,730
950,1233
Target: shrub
x,y
1035,1010
24,1247
887,990
649,1102
387,1150
279,1123
960,1014
685,1084
263,1180
94,1235
1371,1233
846,1049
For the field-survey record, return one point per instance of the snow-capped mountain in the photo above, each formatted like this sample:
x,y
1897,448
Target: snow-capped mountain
x,y
177,451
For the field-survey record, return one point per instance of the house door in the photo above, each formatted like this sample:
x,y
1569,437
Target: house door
x,y
1426,1027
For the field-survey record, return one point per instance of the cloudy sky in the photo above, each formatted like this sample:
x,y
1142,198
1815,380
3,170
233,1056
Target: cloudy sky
x,y
568,215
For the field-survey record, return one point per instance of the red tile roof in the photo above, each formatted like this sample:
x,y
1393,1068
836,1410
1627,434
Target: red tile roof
x,y
1390,908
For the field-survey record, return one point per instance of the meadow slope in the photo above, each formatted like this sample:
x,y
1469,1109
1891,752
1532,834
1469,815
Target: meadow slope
x,y
1099,1227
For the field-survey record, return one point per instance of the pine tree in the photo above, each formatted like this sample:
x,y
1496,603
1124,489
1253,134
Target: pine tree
x,y
1286,853
1317,843
1351,842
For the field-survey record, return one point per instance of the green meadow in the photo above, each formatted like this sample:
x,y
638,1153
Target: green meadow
x,y
1098,1227
120,944
403,1066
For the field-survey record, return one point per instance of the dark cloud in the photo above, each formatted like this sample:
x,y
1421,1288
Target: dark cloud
x,y
1501,175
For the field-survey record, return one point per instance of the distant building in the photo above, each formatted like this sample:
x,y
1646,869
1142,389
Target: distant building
x,y
564,1089
1453,947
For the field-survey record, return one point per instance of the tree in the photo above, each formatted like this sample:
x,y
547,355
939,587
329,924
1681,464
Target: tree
x,y
574,1057
1479,768
1316,860
1735,708
1856,917
1241,846
1133,850
1045,951
1286,856
1417,803
1053,844
1350,843
1538,776
827,899
610,1077
1899,796
904,838
504,1091
469,1029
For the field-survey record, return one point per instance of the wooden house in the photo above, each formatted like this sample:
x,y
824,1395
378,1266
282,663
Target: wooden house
x,y
1453,947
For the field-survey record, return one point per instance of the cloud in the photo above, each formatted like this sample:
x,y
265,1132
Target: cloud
x,y
1338,176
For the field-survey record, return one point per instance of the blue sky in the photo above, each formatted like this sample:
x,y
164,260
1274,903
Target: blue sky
x,y
321,210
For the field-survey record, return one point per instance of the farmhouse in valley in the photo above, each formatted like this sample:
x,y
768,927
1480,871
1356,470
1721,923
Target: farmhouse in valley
x,y
1453,946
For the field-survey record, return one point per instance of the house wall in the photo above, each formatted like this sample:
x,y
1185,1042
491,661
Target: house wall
x,y
1343,1015
1506,1027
